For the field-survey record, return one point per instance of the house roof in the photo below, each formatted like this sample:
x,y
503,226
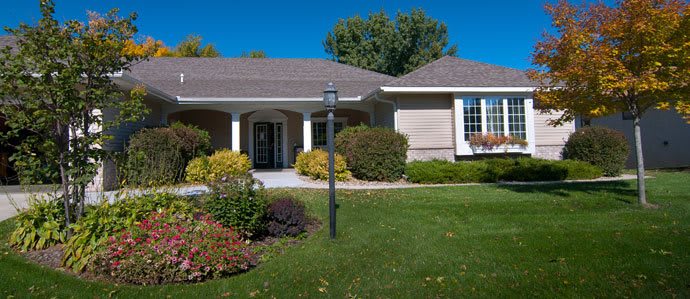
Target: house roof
x,y
7,40
451,71
255,77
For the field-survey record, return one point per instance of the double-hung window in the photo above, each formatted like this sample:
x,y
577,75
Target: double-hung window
x,y
318,132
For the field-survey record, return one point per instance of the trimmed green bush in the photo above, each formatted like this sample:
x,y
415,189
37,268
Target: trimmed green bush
x,y
606,148
238,202
373,154
314,164
494,170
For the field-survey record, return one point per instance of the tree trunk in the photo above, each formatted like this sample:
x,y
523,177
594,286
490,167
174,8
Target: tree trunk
x,y
65,190
641,193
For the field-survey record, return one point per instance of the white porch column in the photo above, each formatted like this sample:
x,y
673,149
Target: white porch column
x,y
235,131
306,131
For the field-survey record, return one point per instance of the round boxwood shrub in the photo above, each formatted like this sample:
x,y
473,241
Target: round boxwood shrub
x,y
222,163
373,154
602,147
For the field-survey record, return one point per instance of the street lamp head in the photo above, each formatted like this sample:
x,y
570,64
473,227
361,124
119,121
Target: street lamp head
x,y
330,96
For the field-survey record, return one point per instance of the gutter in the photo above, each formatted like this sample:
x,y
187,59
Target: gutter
x,y
149,89
395,108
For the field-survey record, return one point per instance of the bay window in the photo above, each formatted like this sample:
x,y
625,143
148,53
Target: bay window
x,y
497,115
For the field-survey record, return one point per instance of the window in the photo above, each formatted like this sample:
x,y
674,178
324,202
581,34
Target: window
x,y
516,118
494,116
472,111
318,133
504,116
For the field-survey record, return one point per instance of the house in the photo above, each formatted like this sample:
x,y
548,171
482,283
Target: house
x,y
665,137
272,108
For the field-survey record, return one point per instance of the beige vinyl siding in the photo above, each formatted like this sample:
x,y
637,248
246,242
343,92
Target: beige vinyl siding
x,y
545,134
427,120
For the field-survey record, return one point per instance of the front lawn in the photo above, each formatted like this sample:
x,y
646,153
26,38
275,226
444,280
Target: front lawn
x,y
584,239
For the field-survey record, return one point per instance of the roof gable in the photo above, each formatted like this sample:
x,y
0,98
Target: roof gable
x,y
451,71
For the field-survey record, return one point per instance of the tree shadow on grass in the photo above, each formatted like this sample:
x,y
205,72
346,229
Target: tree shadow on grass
x,y
622,190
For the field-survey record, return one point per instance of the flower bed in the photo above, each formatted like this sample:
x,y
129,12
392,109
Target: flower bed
x,y
172,249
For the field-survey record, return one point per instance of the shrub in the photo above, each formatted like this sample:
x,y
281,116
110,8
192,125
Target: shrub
x,y
167,248
106,219
314,164
603,147
373,154
225,162
286,217
152,158
238,202
158,156
494,170
40,226
446,172
194,142
197,170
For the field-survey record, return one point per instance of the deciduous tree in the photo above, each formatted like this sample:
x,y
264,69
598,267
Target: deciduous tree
x,y
632,57
253,54
56,82
394,47
191,47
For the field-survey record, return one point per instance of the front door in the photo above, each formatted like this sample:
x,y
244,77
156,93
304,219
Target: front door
x,y
264,145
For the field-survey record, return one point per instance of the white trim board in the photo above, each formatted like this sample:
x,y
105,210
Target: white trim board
x,y
456,89
200,100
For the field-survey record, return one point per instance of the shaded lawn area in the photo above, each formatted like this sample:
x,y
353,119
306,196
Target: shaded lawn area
x,y
551,240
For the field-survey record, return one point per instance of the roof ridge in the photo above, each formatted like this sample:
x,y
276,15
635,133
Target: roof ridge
x,y
355,67
488,64
417,70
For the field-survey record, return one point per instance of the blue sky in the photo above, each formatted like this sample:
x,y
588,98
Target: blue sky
x,y
501,32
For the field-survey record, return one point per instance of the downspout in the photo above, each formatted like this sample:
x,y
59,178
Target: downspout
x,y
395,109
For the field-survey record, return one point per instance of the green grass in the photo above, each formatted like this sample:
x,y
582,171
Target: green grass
x,y
573,240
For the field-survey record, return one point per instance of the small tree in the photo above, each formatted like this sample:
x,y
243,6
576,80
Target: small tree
x,y
393,47
56,83
632,57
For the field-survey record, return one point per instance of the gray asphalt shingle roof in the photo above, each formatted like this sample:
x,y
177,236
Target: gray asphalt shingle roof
x,y
451,71
7,40
255,77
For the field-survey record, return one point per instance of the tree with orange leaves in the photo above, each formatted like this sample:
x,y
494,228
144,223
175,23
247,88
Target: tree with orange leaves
x,y
632,57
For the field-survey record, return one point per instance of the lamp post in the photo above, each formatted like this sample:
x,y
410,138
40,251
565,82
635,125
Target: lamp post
x,y
330,99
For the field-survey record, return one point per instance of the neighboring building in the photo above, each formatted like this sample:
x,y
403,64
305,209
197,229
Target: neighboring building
x,y
272,108
665,137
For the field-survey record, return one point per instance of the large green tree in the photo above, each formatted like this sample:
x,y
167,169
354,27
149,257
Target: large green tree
x,y
56,83
632,57
393,47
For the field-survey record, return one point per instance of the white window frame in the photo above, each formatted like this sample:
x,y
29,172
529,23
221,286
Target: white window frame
x,y
462,146
315,120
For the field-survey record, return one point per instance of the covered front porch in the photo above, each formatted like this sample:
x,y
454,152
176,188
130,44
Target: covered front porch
x,y
271,135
